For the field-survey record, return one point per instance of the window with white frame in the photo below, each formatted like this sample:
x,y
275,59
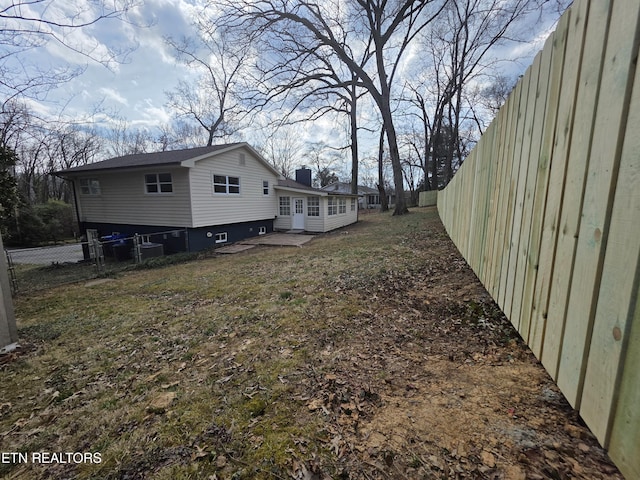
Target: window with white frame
x,y
226,184
89,186
332,206
342,205
353,204
221,237
313,206
285,206
262,230
158,183
265,187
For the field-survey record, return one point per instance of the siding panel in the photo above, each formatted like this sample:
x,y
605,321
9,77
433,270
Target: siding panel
x,y
251,204
123,199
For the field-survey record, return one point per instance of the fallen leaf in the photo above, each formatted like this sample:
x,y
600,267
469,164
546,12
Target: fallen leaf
x,y
161,402
488,459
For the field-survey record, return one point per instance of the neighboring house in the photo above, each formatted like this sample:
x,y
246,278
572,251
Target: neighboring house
x,y
218,194
368,197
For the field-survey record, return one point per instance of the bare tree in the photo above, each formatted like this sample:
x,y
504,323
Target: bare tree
x,y
322,158
212,99
382,29
457,55
282,146
29,24
310,84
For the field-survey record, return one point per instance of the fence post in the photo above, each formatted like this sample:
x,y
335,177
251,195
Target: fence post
x,y
137,250
8,329
98,255
11,269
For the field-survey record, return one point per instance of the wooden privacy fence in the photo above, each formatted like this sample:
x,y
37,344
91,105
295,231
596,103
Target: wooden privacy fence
x,y
546,210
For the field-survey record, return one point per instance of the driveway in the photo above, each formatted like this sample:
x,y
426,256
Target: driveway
x,y
47,255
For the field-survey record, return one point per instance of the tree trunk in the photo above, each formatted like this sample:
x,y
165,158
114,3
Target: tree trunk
x,y
384,202
353,116
394,154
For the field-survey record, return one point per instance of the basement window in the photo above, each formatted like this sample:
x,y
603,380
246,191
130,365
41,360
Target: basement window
x,y
262,231
221,237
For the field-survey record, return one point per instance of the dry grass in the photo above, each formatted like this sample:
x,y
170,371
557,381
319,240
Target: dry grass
x,y
263,364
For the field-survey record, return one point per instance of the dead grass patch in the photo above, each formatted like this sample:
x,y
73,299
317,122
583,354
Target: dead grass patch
x,y
372,352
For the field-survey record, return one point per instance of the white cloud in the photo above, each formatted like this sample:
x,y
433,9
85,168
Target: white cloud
x,y
113,95
150,115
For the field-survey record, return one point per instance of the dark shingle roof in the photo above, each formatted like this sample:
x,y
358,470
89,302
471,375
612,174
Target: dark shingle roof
x,y
287,182
345,187
146,159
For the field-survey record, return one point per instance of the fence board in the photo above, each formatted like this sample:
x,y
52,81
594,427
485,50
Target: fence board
x,y
624,447
505,159
522,92
552,326
607,136
533,154
492,202
556,48
500,167
549,216
577,164
622,238
523,142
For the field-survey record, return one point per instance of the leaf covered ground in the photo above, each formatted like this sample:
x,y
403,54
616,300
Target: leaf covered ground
x,y
370,353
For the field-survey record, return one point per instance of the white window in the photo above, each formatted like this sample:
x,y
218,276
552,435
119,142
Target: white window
x,y
158,183
221,237
226,184
333,206
285,206
342,205
89,186
353,204
265,187
313,206
262,231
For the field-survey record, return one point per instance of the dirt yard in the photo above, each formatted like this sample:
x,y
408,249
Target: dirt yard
x,y
370,353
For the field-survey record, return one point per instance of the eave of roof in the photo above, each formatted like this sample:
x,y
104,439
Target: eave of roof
x,y
185,158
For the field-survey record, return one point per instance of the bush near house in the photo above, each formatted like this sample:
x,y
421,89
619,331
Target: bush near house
x,y
32,225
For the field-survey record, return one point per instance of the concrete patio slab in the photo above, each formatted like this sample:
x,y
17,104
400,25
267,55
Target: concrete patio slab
x,y
279,240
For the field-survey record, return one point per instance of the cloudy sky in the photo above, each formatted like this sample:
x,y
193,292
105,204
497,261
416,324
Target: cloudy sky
x,y
134,89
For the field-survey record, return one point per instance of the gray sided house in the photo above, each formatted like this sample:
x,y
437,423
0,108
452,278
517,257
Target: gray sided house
x,y
368,197
218,194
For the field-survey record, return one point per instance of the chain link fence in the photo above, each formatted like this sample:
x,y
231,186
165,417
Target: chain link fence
x,y
32,269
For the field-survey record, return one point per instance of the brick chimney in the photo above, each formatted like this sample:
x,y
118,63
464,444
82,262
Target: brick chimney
x,y
303,176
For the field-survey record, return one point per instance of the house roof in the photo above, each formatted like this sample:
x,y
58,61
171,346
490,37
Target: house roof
x,y
292,185
185,157
345,187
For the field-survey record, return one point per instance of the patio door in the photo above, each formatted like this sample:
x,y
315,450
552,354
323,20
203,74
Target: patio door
x,y
297,223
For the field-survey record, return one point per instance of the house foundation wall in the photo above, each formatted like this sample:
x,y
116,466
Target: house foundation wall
x,y
191,239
